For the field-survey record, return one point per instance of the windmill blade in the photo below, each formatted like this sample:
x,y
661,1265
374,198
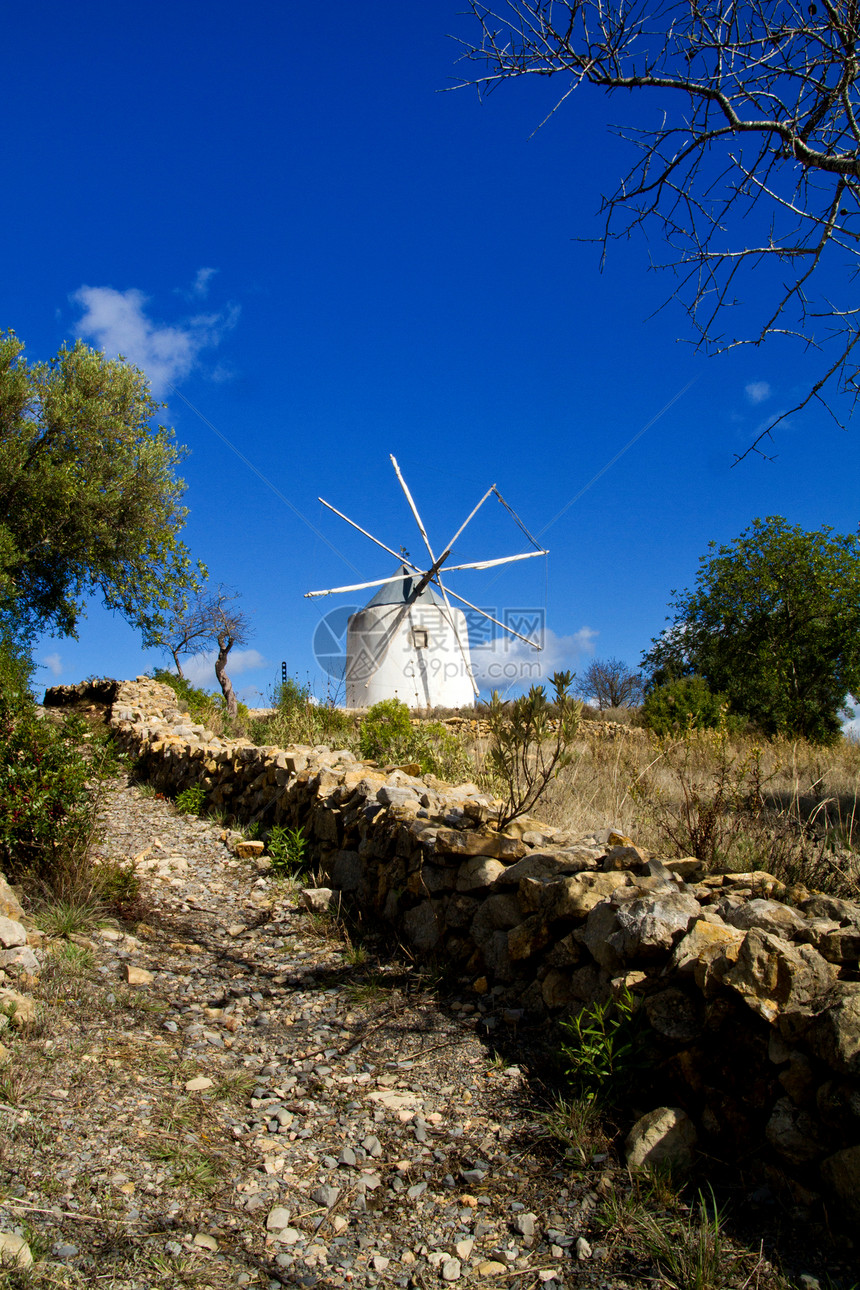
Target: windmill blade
x,y
471,515
489,564
398,555
433,573
413,507
478,610
357,586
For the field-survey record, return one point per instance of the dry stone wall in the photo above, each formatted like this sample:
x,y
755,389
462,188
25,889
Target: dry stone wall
x,y
751,991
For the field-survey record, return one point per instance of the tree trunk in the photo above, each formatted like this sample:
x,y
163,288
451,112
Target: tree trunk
x,y
179,671
225,644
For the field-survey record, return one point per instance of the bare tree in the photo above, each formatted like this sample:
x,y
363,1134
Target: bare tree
x,y
609,683
211,620
229,627
749,177
187,630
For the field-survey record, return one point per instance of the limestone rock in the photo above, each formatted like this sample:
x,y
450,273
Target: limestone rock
x,y
665,1136
770,973
478,873
20,1007
318,900
674,1015
768,915
841,1174
422,926
10,905
706,944
547,865
834,1035
12,933
14,1249
574,897
793,1133
247,850
528,938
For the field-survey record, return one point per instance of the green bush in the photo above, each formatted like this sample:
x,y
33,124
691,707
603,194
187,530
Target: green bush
x,y
45,801
386,731
287,849
191,800
606,1052
388,736
681,705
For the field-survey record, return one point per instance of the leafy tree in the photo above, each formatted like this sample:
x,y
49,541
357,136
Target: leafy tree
x,y
746,175
609,683
773,623
89,497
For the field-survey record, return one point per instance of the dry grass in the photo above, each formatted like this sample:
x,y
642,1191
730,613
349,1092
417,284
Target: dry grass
x,y
787,807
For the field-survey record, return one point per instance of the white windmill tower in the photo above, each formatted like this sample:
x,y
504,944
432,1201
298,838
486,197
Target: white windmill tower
x,y
408,641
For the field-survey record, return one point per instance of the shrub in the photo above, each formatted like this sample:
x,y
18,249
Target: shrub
x,y
386,731
529,743
606,1052
46,808
300,720
287,849
678,705
191,800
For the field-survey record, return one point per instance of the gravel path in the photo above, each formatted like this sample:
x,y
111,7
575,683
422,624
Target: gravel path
x,y
237,1094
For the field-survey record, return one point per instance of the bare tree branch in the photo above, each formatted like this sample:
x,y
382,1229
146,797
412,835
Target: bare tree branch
x,y
754,162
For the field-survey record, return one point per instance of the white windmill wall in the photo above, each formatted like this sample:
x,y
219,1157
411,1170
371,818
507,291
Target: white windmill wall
x,y
409,652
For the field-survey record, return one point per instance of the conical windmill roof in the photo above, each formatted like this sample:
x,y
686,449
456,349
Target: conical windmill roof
x,y
400,592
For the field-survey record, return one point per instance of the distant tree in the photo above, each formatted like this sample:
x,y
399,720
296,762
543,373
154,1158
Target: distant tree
x,y
211,620
609,683
89,497
774,624
746,168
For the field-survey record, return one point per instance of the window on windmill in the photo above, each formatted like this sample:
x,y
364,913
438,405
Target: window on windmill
x,y
420,637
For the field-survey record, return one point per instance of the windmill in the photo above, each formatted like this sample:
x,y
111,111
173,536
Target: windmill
x,y
409,641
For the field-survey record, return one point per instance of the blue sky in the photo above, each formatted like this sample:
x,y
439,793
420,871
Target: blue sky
x,y
279,215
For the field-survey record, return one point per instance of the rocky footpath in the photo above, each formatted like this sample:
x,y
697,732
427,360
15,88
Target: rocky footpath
x,y
224,1090
751,991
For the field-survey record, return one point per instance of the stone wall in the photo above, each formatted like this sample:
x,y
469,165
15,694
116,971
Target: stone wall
x,y
751,992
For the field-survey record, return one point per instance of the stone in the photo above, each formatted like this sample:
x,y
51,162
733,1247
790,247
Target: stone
x,y
478,873
834,1035
198,1084
21,959
665,1136
706,944
247,850
422,926
327,1196
12,933
204,1241
528,938
546,866
459,842
278,1219
583,1249
674,1015
318,900
770,973
10,905
347,871
793,1133
451,1270
525,1224
574,897
20,1008
841,1175
389,795
768,915
14,1248
138,975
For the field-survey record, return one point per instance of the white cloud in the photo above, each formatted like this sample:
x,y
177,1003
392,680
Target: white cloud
x,y
200,670
117,322
200,286
53,663
758,391
511,665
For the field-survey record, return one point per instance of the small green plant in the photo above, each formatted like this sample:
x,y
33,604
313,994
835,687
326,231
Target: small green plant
x,y
287,849
606,1049
191,800
530,743
72,917
574,1123
116,882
